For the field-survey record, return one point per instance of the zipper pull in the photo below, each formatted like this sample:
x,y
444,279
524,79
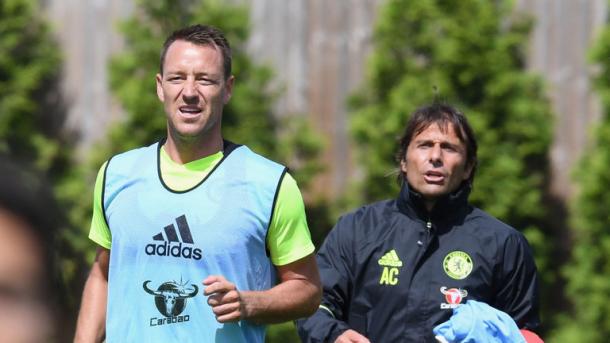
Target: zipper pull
x,y
427,238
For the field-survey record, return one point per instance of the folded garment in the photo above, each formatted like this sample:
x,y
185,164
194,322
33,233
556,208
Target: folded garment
x,y
477,322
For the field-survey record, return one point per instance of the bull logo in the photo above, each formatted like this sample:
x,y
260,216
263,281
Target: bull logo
x,y
170,297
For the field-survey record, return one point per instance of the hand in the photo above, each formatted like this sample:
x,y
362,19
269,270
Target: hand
x,y
224,298
351,336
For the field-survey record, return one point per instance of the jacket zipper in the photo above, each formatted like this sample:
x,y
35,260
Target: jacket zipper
x,y
428,228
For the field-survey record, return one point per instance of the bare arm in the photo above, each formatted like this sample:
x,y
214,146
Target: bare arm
x,y
297,295
91,325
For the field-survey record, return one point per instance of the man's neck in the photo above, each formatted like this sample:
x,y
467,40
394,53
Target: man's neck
x,y
429,204
187,150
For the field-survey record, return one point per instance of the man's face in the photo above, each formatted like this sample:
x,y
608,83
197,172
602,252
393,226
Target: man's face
x,y
193,89
24,316
435,162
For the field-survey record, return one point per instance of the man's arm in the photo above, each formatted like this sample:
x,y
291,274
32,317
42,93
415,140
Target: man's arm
x,y
91,325
517,292
329,323
296,296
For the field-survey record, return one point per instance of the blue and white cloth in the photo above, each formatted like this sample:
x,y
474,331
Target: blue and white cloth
x,y
477,322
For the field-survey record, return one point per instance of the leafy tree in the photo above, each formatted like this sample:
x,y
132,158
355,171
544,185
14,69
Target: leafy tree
x,y
588,273
31,115
247,119
32,118
473,52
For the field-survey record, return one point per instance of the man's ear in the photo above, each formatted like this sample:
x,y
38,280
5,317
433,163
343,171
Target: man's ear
x,y
469,170
403,166
159,81
228,91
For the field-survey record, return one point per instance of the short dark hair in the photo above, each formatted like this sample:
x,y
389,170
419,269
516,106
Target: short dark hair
x,y
443,115
201,35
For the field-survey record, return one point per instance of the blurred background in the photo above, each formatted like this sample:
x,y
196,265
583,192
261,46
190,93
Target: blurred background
x,y
326,87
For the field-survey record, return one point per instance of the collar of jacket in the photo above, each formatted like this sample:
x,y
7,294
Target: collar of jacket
x,y
411,203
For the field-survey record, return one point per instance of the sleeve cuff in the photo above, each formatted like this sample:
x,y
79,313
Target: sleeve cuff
x,y
295,255
104,243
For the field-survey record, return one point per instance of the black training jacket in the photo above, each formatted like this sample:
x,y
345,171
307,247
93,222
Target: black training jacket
x,y
392,270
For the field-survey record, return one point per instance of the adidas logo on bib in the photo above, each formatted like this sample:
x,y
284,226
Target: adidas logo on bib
x,y
174,245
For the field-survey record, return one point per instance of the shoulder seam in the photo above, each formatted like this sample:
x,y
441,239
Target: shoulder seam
x,y
104,193
275,196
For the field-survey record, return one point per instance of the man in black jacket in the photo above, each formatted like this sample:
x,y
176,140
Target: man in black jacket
x,y
393,270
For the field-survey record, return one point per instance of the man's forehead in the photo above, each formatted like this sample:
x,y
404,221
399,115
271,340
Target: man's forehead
x,y
440,130
181,53
180,45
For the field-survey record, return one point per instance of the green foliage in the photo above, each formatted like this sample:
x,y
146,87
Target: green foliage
x,y
282,333
588,273
473,52
30,116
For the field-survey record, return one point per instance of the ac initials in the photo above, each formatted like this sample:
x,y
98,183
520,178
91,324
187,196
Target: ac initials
x,y
388,277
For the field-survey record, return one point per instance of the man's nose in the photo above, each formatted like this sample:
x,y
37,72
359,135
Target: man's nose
x,y
436,155
189,91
